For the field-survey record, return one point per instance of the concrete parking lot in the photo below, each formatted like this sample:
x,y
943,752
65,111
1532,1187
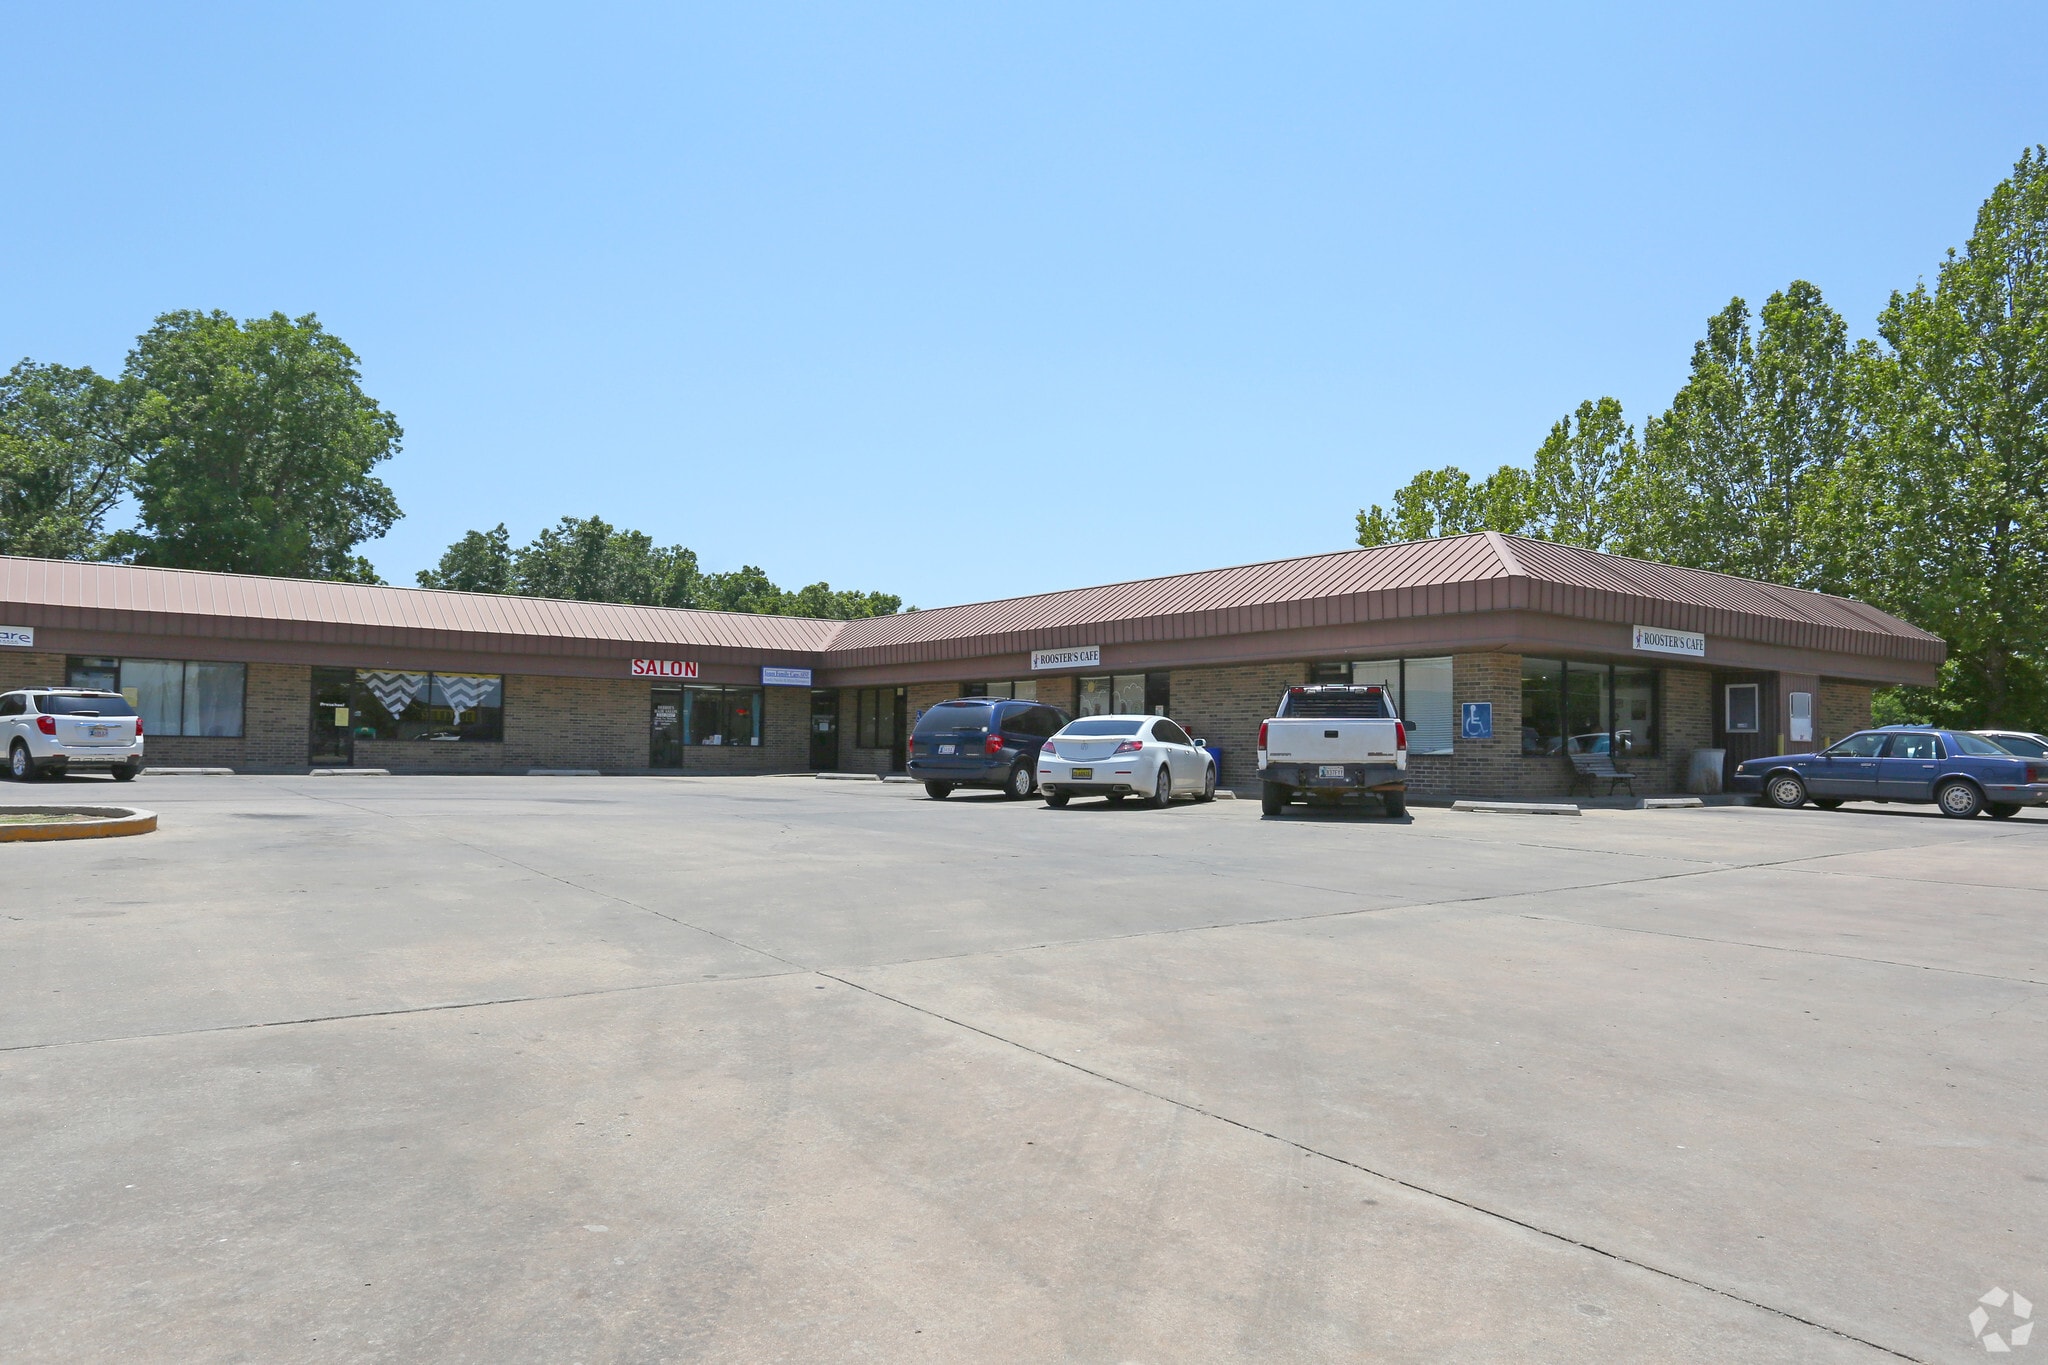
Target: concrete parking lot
x,y
775,1069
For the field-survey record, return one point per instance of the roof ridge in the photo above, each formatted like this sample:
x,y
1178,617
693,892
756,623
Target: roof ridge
x,y
1508,557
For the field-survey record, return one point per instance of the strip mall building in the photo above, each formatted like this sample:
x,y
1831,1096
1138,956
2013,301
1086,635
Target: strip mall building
x,y
1506,655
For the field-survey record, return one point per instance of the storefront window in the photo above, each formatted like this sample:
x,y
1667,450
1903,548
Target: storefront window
x,y
1126,694
1421,691
1578,708
875,711
1024,689
173,696
389,703
722,715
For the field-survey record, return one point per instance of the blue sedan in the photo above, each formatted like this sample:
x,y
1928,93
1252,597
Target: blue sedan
x,y
1959,772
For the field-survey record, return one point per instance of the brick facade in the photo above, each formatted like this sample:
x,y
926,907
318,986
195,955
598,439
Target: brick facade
x,y
1225,706
1841,709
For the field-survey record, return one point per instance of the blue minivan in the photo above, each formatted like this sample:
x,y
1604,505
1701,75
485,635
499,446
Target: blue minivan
x,y
982,742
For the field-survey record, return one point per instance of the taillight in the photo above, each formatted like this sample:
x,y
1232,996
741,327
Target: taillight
x,y
138,727
1048,749
1130,746
1400,737
1262,734
2037,773
47,724
993,744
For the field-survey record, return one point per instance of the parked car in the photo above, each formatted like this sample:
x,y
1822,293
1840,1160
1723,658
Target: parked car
x,y
981,742
53,730
1326,743
1119,756
1960,772
2023,743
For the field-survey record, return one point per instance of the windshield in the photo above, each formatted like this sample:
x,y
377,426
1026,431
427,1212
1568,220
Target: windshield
x,y
1103,727
2026,746
954,715
84,706
1976,746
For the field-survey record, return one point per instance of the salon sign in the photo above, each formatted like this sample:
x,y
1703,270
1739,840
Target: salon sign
x,y
1656,640
21,637
663,668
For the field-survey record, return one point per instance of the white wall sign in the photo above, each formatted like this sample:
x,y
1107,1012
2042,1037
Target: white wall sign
x,y
1085,656
23,637
785,677
1655,640
663,668
1802,717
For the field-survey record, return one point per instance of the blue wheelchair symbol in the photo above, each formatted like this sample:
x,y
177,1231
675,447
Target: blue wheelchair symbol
x,y
1475,720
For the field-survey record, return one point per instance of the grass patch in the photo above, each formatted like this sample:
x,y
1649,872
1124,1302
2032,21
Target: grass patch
x,y
38,817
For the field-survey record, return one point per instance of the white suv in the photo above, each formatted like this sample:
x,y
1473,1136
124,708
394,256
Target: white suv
x,y
69,729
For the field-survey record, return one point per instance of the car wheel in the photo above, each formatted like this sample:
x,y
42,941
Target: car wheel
x,y
2003,810
1057,800
1786,791
1273,798
126,772
20,766
1020,783
1208,784
1162,790
1828,802
938,791
1396,804
1959,799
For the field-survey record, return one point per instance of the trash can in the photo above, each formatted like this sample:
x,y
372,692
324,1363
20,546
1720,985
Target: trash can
x,y
1216,754
1703,777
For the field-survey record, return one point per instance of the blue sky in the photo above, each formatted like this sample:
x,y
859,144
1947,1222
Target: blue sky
x,y
967,301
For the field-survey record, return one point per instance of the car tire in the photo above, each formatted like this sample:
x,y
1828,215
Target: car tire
x,y
1208,784
1827,802
127,772
1785,791
1396,804
1162,789
938,791
1020,783
1957,799
1057,800
20,766
2003,810
1272,798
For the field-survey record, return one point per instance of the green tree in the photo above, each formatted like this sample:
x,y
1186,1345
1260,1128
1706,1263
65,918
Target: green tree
x,y
1733,476
479,562
1946,498
587,559
255,444
1449,502
63,460
843,604
1578,472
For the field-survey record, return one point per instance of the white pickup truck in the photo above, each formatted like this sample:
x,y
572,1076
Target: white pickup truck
x,y
1330,742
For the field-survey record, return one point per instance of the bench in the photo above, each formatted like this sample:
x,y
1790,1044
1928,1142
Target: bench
x,y
1591,768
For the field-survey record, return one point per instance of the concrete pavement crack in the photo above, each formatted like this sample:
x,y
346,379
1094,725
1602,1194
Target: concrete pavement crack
x,y
1428,1192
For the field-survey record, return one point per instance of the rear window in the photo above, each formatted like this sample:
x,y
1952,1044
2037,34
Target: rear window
x,y
1341,703
954,715
2026,746
84,706
1978,747
1103,727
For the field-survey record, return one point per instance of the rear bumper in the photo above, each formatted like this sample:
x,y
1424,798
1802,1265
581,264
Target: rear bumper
x,y
1356,777
2031,794
55,757
967,772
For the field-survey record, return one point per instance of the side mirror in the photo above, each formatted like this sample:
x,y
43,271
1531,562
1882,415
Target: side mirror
x,y
1201,744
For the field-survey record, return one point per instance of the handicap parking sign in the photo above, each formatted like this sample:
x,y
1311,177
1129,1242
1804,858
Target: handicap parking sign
x,y
1475,720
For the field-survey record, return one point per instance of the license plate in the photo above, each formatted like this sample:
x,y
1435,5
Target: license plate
x,y
1330,770
1083,774
948,748
97,731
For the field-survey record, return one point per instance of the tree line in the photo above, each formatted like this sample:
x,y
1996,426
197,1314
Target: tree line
x,y
1909,469
250,447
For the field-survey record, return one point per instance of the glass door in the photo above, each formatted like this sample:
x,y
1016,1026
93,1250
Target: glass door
x,y
825,730
332,733
665,749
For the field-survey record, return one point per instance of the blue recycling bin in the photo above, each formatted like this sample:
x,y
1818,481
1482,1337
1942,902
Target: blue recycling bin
x,y
1216,754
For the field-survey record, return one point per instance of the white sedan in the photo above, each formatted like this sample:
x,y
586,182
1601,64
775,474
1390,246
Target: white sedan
x,y
1119,756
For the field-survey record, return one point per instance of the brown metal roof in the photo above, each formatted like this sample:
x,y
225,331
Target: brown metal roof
x,y
1458,575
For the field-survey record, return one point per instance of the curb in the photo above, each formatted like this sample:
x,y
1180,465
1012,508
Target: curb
x,y
847,777
1514,808
563,772
350,772
110,822
188,772
1671,803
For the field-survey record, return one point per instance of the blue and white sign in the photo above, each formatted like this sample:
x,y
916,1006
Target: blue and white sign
x,y
22,637
785,677
1475,720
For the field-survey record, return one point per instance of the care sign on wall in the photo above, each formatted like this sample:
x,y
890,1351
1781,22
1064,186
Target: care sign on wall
x,y
1082,656
21,637
785,677
663,668
1656,640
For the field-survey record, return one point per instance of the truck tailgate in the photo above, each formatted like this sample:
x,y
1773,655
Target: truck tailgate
x,y
1309,740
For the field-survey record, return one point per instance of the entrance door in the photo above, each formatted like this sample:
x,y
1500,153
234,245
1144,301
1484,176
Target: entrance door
x,y
825,730
899,753
1745,717
665,746
332,733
